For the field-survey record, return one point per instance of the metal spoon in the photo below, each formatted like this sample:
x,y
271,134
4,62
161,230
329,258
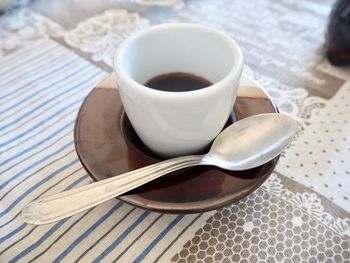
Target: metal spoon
x,y
245,144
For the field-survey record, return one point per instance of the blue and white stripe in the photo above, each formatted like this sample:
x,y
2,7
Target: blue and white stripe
x,y
41,90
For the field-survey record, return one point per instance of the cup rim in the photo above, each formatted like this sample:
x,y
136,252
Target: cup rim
x,y
229,79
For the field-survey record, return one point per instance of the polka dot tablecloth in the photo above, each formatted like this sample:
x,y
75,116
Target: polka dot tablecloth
x,y
320,158
300,214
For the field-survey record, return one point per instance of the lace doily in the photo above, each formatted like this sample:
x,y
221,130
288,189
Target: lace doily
x,y
288,99
22,28
100,35
164,3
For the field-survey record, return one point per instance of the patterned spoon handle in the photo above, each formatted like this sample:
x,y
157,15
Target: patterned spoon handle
x,y
58,206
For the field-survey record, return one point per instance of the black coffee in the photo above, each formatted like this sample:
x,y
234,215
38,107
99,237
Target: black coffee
x,y
177,82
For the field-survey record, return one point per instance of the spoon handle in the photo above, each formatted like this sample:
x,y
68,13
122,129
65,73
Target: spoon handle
x,y
58,206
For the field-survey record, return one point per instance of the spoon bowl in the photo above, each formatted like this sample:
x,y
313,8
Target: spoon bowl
x,y
232,150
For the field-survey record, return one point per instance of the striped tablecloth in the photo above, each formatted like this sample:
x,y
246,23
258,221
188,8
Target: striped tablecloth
x,y
42,88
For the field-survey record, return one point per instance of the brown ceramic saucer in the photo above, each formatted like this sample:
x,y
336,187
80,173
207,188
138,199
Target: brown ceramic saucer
x,y
107,145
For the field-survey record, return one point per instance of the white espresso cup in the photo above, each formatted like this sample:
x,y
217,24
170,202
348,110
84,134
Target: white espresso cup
x,y
178,123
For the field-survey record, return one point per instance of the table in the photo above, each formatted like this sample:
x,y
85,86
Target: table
x,y
52,53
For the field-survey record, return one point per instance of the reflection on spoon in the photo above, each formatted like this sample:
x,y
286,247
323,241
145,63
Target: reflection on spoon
x,y
245,144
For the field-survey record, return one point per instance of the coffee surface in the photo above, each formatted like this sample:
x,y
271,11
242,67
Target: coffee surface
x,y
178,82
